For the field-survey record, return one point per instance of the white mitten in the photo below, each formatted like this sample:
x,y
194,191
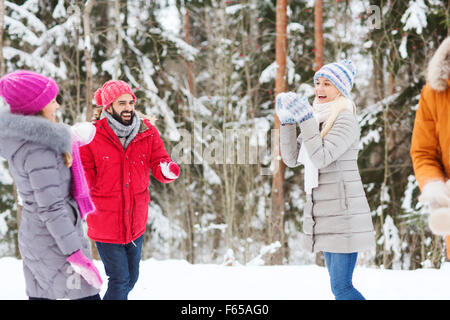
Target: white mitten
x,y
281,102
170,170
439,221
290,106
436,194
83,132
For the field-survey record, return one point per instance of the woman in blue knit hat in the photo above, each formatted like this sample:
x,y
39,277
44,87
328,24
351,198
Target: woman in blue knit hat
x,y
336,216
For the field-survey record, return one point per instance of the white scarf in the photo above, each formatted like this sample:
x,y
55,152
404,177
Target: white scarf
x,y
321,112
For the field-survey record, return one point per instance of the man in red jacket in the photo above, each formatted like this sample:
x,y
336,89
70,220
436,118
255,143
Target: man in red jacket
x,y
117,164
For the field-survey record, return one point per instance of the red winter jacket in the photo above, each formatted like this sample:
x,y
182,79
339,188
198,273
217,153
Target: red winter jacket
x,y
118,180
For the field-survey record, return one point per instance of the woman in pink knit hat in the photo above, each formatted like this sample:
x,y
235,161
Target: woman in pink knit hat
x,y
44,162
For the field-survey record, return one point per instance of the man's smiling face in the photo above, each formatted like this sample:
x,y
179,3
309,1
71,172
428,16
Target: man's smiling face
x,y
122,109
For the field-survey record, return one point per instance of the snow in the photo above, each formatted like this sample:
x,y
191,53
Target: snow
x,y
37,48
3,223
25,59
109,66
392,241
295,26
233,9
180,280
21,31
269,73
258,261
5,176
210,176
22,12
60,10
415,17
403,49
169,18
408,195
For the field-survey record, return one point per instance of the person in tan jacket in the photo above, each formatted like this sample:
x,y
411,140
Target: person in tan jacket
x,y
430,145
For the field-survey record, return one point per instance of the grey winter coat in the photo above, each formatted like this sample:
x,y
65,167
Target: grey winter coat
x,y
336,216
50,228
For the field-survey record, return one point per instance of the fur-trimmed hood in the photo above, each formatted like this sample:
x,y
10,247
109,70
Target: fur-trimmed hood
x,y
438,71
16,129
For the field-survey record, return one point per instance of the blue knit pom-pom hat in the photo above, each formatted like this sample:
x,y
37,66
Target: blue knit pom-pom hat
x,y
341,74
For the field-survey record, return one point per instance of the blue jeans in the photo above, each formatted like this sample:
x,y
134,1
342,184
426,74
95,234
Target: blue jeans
x,y
121,263
340,267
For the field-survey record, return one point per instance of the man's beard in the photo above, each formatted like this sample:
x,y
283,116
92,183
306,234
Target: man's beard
x,y
118,117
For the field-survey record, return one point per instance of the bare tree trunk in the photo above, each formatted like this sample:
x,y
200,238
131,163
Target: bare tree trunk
x,y
188,41
447,247
189,216
119,39
189,213
88,57
380,90
277,218
89,83
248,47
78,110
318,34
318,63
378,65
2,23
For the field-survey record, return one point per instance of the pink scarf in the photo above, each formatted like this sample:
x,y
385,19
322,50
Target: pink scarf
x,y
80,187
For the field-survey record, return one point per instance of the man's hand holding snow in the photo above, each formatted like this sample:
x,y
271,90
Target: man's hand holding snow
x,y
170,170
83,132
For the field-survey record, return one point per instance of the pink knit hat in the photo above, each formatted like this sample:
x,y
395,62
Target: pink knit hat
x,y
110,91
27,92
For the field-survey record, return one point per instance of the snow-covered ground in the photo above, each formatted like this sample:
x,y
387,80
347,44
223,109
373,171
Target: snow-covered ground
x,y
179,280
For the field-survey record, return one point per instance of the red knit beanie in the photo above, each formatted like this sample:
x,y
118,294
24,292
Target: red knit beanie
x,y
110,91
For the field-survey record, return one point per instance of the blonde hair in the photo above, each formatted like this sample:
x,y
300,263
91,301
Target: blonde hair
x,y
68,159
339,104
96,113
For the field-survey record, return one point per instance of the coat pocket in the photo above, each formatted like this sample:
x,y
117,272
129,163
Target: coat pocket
x,y
73,212
140,212
106,221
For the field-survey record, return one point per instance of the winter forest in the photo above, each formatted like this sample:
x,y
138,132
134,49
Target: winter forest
x,y
208,72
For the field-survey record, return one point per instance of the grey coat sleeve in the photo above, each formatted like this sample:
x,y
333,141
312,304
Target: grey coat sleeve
x,y
42,169
290,145
343,133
